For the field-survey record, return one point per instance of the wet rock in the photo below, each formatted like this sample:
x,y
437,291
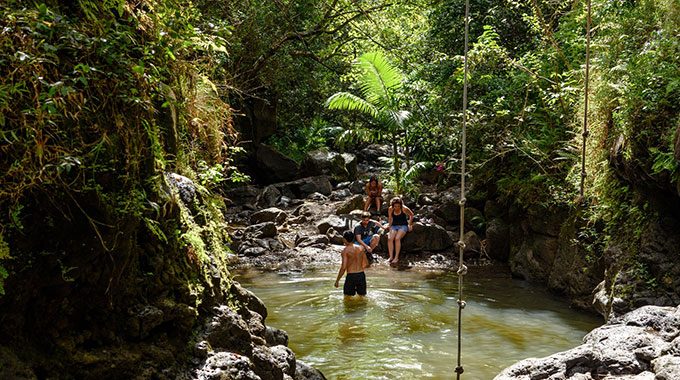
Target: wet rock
x,y
227,366
185,187
358,187
340,194
242,195
497,239
373,153
252,251
473,245
249,299
342,185
425,200
271,214
334,237
228,331
298,220
317,197
265,365
269,197
350,165
325,162
304,371
262,230
354,203
339,224
303,209
255,323
275,337
534,258
629,347
576,271
448,208
273,166
423,238
316,240
309,185
284,359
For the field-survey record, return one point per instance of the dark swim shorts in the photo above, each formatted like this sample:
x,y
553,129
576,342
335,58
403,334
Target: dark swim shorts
x,y
355,283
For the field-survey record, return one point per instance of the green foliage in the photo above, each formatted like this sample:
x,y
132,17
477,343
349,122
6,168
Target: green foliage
x,y
379,83
96,100
4,255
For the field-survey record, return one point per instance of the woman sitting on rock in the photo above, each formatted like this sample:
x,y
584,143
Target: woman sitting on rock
x,y
374,191
398,225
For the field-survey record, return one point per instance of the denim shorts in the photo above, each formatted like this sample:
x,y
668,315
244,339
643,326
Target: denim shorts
x,y
399,228
367,240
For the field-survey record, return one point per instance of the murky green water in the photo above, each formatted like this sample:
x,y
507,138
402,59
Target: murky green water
x,y
406,328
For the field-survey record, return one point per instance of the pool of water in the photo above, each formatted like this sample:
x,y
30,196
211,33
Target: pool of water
x,y
406,327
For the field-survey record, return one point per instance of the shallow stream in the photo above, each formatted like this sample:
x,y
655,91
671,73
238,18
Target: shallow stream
x,y
406,328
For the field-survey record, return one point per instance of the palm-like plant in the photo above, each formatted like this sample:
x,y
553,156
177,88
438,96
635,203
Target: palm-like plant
x,y
379,82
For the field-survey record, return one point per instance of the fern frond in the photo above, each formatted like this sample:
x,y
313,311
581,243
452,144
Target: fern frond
x,y
350,102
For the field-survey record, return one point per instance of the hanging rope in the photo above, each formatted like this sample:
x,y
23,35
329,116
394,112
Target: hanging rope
x,y
462,269
585,108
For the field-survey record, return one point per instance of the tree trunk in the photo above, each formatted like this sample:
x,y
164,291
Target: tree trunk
x,y
395,160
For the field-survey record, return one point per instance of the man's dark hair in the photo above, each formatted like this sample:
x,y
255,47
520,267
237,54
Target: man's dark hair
x,y
348,235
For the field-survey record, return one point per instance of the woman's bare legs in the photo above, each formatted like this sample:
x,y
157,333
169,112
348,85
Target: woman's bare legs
x,y
367,205
390,240
397,244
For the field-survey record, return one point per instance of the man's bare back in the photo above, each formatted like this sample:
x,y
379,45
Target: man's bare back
x,y
353,262
354,258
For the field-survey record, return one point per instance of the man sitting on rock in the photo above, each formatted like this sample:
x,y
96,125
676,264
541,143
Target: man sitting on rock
x,y
366,234
353,262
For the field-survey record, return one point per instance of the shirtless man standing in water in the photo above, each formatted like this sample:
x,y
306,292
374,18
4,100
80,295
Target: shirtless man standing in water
x,y
353,261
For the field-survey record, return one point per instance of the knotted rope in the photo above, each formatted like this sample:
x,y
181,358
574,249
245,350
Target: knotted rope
x,y
585,108
462,269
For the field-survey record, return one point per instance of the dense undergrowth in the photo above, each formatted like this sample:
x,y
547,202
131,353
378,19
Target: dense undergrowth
x,y
99,101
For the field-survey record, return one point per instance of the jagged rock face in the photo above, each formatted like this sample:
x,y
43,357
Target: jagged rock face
x,y
639,345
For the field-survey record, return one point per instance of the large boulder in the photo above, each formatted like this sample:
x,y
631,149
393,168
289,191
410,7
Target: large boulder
x,y
373,153
241,195
497,236
354,203
576,270
271,214
638,345
262,230
535,257
338,224
325,162
302,188
423,237
268,197
227,366
304,371
273,166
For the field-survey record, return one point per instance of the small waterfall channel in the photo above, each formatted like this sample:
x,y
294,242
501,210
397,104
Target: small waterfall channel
x,y
406,327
